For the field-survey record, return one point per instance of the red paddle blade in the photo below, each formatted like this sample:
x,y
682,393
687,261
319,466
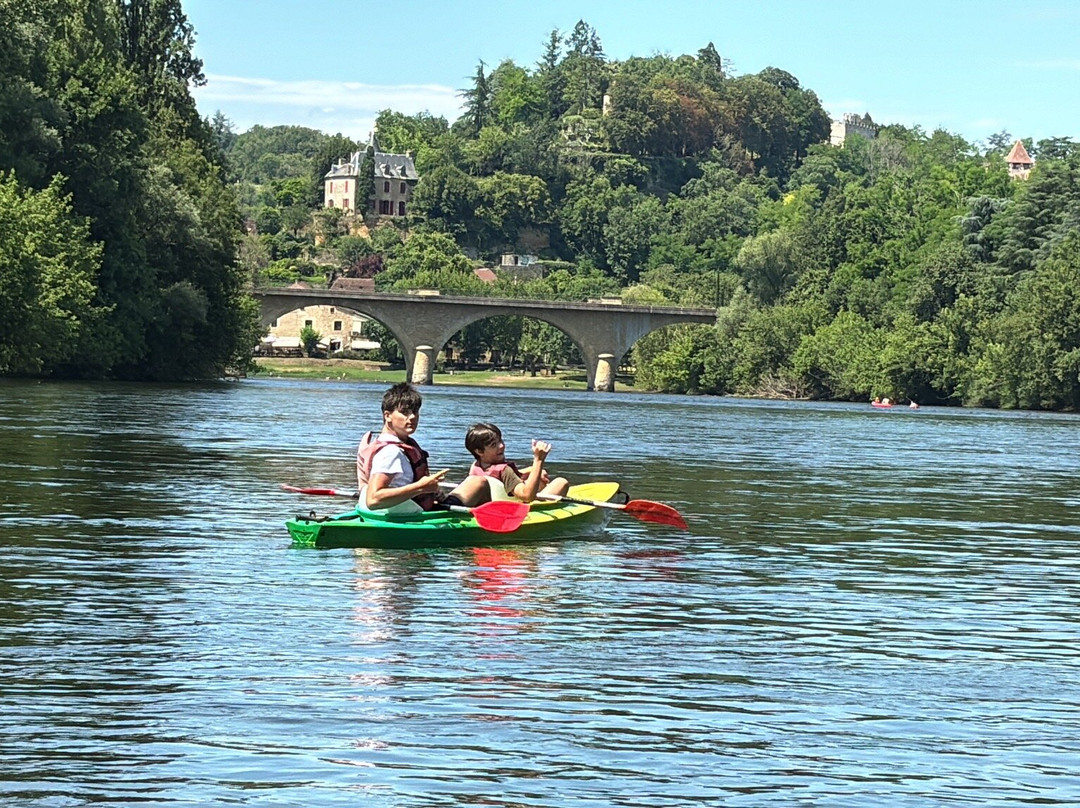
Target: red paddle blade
x,y
657,512
500,517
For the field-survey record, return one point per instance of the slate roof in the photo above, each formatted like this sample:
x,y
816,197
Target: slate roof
x,y
346,168
387,166
395,166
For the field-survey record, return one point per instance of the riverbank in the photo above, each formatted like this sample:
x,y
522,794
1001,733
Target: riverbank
x,y
350,369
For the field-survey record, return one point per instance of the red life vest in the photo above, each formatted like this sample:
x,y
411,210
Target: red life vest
x,y
370,444
495,470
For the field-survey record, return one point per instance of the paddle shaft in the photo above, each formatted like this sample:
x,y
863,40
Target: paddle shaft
x,y
641,509
595,503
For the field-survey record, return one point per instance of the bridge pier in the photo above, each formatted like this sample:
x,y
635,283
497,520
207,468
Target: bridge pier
x,y
604,377
423,365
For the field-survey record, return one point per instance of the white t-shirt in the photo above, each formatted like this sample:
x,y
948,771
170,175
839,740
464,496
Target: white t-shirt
x,y
392,460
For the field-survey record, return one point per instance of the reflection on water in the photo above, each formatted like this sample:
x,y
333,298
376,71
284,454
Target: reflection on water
x,y
870,608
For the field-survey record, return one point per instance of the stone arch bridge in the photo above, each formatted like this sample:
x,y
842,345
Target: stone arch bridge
x,y
423,324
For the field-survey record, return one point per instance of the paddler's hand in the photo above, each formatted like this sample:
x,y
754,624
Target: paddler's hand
x,y
430,483
540,449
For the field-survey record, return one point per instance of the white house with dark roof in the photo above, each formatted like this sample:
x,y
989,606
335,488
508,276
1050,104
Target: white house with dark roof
x,y
393,175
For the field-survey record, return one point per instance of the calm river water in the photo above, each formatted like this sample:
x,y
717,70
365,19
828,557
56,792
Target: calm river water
x,y
869,609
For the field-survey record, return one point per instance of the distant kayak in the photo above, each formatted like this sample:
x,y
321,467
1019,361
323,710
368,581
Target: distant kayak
x,y
881,405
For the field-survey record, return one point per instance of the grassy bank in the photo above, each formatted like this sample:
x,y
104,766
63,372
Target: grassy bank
x,y
348,369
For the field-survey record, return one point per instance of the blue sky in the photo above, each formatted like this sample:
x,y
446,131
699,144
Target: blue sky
x,y
973,67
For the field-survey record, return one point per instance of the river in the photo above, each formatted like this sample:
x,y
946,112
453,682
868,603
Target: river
x,y
869,608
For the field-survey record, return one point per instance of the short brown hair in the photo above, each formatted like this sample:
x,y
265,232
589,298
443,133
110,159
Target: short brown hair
x,y
480,436
402,397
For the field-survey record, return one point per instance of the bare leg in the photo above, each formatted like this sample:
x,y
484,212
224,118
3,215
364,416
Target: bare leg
x,y
473,491
558,486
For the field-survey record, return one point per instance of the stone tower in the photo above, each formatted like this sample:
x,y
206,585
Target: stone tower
x,y
1019,162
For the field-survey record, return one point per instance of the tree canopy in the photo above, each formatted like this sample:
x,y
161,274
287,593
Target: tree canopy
x,y
118,184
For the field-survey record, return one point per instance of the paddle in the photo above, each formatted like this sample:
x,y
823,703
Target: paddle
x,y
321,492
494,517
643,509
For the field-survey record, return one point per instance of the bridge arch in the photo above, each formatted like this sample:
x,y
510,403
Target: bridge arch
x,y
422,324
469,316
274,306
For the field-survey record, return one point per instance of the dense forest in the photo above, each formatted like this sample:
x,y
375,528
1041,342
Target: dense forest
x,y
909,265
118,230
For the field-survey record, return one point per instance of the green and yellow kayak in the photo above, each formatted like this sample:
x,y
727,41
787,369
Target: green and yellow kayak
x,y
362,528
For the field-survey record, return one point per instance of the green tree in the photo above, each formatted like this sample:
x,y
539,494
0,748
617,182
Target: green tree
x,y
515,96
585,211
430,260
158,42
510,202
840,359
583,68
448,197
310,339
671,360
628,236
48,273
542,344
30,120
262,153
478,100
550,76
767,265
1034,359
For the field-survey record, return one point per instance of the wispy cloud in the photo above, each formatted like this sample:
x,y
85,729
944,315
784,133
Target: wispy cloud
x,y
986,125
333,106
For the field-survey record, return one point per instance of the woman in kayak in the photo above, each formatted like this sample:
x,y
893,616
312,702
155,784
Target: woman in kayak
x,y
392,470
485,443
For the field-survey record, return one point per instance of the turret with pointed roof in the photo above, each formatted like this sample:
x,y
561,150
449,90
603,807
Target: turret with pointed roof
x,y
1019,161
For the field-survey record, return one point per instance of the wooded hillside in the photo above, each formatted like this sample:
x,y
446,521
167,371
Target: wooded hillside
x,y
909,265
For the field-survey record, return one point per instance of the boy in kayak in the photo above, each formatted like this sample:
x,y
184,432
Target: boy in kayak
x,y
392,470
485,443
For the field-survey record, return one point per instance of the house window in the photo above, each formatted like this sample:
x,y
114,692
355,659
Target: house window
x,y
400,208
344,204
273,324
332,309
337,325
386,187
329,203
384,207
402,187
309,323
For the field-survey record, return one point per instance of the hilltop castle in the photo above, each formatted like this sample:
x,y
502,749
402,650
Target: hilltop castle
x,y
852,124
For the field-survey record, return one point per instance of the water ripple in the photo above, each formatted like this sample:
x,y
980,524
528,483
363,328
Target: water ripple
x,y
869,609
